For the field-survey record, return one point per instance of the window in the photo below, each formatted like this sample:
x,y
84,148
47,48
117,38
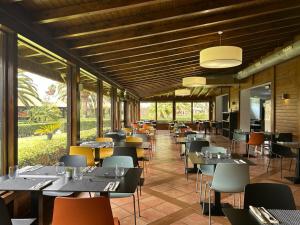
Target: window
x,y
164,111
42,105
106,108
200,111
122,118
147,111
88,106
183,111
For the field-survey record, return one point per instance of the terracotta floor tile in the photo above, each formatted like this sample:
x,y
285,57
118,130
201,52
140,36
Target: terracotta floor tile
x,y
167,208
150,215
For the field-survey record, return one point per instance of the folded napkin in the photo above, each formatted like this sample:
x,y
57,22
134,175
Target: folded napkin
x,y
41,185
242,161
236,161
112,186
262,215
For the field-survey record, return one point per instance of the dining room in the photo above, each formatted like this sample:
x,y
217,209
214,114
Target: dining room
x,y
158,112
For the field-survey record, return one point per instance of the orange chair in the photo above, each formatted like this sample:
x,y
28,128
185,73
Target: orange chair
x,y
257,140
134,125
83,211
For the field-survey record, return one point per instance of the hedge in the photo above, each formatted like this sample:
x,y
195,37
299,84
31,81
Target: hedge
x,y
38,150
28,129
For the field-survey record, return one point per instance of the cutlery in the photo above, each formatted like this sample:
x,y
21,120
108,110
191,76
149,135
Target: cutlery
x,y
268,215
236,161
108,186
242,161
41,185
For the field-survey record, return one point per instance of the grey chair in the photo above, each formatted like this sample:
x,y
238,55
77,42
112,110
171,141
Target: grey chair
x,y
228,178
69,161
126,162
6,220
207,170
238,136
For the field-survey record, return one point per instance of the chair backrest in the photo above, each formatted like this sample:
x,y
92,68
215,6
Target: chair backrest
x,y
196,146
256,138
285,137
189,132
104,139
238,136
134,139
4,215
269,195
85,151
82,211
143,136
280,150
122,161
231,177
127,151
74,160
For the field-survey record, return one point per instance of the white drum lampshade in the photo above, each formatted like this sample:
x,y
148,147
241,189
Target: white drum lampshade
x,y
193,81
221,57
182,92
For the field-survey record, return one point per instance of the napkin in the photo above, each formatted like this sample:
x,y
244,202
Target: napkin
x,y
242,161
236,161
41,185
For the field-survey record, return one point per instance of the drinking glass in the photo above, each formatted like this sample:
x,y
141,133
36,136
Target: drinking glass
x,y
13,172
119,171
228,153
60,168
77,173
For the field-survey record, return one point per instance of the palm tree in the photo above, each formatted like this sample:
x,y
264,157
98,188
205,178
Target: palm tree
x,y
27,91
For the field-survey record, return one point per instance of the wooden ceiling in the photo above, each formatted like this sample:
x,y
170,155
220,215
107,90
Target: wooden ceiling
x,y
148,46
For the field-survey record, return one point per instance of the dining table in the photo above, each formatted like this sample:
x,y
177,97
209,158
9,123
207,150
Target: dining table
x,y
294,146
244,217
199,159
45,178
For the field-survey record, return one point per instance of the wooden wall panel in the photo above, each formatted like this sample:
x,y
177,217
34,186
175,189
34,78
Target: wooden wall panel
x,y
287,111
234,96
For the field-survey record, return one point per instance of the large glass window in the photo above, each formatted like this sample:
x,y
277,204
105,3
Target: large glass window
x,y
88,106
42,105
200,111
106,108
183,111
147,111
164,111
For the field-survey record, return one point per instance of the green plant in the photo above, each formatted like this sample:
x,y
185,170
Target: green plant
x,y
44,113
27,91
48,130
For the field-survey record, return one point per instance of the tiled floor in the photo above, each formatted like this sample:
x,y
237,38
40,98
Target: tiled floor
x,y
169,198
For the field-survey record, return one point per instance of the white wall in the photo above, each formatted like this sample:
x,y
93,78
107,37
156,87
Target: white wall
x,y
245,110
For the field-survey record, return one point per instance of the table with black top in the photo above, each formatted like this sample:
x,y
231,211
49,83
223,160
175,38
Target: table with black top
x,y
216,207
94,181
244,217
296,146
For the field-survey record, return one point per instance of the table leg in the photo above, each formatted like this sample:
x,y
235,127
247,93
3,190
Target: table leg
x,y
296,179
216,207
37,206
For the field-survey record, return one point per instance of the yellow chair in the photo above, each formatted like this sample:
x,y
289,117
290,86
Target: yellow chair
x,y
104,139
106,152
139,151
85,151
127,130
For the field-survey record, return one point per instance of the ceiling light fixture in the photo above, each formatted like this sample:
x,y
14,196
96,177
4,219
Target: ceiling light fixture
x,y
193,81
182,92
221,56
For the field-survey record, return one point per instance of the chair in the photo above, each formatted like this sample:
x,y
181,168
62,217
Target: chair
x,y
85,151
139,151
207,170
285,137
69,161
116,137
257,140
6,220
228,178
104,139
106,152
126,162
281,152
83,211
127,151
269,195
238,136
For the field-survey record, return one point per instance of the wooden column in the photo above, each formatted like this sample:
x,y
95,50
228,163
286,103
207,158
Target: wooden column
x,y
8,73
99,109
174,110
73,102
126,114
114,108
2,106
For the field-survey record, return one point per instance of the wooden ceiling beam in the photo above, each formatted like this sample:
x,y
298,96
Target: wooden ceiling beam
x,y
282,8
173,12
94,46
94,8
198,42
